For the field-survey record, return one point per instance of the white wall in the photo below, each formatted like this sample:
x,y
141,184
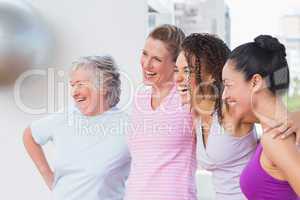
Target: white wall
x,y
79,28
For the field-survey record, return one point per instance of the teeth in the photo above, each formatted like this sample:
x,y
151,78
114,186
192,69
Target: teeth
x,y
231,103
182,92
182,88
80,100
150,73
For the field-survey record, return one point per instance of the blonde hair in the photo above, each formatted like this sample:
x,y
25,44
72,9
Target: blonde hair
x,y
171,36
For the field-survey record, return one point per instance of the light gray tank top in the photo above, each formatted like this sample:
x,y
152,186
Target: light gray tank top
x,y
225,156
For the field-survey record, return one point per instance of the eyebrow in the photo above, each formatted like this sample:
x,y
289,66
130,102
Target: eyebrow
x,y
72,82
185,67
78,81
156,57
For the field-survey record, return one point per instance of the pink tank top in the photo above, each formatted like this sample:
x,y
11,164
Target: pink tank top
x,y
162,148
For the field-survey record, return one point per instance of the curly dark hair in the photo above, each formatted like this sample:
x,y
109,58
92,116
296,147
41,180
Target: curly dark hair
x,y
207,53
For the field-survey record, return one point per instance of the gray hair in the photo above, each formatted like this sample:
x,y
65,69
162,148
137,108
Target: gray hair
x,y
106,75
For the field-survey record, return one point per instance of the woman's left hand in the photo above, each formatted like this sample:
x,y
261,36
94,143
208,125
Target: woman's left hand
x,y
287,128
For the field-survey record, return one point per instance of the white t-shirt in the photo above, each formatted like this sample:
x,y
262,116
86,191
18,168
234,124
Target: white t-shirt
x,y
91,159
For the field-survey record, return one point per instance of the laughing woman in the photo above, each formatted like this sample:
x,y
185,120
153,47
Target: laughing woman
x,y
255,77
162,146
222,150
92,159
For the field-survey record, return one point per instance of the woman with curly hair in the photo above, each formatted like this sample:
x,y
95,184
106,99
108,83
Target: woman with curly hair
x,y
223,151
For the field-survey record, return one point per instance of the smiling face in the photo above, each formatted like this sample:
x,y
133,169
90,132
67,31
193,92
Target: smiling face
x,y
186,82
184,79
238,93
86,96
157,63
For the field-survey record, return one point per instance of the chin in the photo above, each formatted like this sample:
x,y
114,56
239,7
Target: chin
x,y
147,82
185,100
82,110
245,116
87,113
249,120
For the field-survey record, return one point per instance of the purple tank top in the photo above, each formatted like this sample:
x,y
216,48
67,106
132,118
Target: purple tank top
x,y
257,184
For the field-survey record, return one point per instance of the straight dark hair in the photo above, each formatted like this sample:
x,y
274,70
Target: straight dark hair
x,y
265,56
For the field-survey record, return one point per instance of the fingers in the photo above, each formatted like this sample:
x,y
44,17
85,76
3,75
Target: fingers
x,y
287,133
284,130
270,123
275,132
272,126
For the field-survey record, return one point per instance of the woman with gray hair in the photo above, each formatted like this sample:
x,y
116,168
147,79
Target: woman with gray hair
x,y
103,75
92,160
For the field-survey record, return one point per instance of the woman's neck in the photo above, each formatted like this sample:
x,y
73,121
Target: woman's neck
x,y
159,93
100,109
270,109
161,90
203,107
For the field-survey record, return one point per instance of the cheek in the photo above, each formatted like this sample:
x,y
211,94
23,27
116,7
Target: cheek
x,y
192,83
94,99
244,99
142,61
159,68
166,68
86,92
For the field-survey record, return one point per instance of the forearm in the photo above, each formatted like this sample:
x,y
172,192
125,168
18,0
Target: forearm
x,y
292,168
294,179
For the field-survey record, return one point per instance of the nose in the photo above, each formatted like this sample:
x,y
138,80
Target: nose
x,y
146,63
178,77
224,94
74,91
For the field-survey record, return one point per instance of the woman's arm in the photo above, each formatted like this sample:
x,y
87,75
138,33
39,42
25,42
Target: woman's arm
x,y
36,153
284,155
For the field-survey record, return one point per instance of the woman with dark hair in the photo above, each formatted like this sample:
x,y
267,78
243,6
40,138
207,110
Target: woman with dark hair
x,y
224,150
255,76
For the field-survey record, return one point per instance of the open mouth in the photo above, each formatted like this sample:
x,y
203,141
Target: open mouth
x,y
150,74
231,103
80,99
182,89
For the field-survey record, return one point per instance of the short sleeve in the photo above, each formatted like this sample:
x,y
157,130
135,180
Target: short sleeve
x,y
43,130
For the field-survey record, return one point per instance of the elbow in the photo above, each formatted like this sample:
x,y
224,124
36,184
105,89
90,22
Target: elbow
x,y
27,137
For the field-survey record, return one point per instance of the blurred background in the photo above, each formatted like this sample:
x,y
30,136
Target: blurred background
x,y
40,38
